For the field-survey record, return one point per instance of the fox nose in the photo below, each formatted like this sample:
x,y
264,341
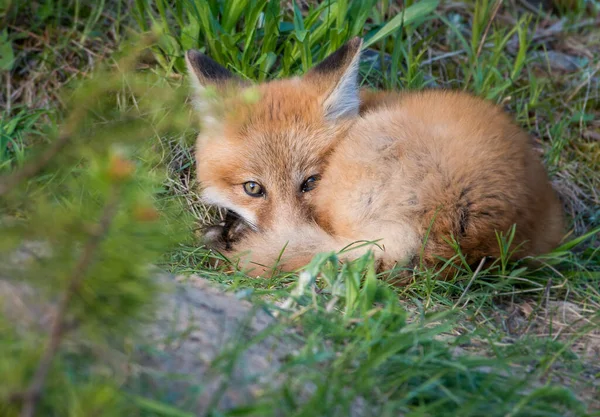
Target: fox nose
x,y
289,216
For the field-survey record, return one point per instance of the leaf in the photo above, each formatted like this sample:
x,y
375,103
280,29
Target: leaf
x,y
574,242
369,289
518,272
300,31
7,55
232,12
405,18
159,408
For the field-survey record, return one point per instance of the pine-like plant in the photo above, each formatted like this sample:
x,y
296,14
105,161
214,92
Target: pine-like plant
x,y
82,224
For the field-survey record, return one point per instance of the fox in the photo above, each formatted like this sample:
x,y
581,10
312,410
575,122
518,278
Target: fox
x,y
316,163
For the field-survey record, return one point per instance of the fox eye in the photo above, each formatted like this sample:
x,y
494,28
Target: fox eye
x,y
310,183
253,189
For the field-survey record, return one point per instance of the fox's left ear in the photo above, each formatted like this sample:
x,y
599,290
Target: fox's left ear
x,y
336,77
205,71
211,83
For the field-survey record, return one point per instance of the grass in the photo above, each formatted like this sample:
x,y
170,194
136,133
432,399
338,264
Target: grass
x,y
508,340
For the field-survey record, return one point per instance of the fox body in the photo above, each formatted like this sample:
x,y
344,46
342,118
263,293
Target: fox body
x,y
314,164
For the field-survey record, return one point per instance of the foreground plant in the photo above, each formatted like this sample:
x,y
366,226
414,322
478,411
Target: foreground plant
x,y
81,224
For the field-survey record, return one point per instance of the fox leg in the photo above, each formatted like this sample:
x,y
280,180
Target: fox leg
x,y
285,249
289,248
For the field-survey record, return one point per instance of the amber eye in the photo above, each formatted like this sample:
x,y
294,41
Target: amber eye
x,y
310,183
253,189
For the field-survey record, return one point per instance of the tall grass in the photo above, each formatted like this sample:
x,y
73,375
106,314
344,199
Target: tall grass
x,y
263,39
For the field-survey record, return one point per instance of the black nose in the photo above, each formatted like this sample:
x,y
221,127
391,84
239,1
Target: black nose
x,y
231,217
233,228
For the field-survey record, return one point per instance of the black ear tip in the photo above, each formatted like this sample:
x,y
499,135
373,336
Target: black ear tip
x,y
351,47
355,42
340,58
206,68
193,55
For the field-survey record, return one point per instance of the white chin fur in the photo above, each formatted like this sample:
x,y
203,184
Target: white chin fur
x,y
213,196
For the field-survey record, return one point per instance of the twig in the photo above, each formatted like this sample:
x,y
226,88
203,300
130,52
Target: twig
x,y
537,10
584,83
487,27
8,93
477,271
484,35
59,328
556,29
547,297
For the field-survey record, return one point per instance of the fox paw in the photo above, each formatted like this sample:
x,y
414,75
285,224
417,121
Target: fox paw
x,y
223,236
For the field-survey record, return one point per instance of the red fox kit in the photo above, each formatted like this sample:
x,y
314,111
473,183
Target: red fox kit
x,y
313,164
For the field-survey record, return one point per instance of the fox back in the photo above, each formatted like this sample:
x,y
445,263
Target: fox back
x,y
313,164
427,167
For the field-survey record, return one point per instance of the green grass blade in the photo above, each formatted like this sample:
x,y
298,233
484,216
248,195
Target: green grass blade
x,y
408,16
232,12
159,408
577,241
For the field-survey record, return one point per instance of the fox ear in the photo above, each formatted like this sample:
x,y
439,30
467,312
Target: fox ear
x,y
209,79
337,79
204,71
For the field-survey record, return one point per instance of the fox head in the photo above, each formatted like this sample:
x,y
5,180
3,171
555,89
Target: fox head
x,y
262,147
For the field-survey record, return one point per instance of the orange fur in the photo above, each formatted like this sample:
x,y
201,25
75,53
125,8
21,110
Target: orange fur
x,y
408,170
